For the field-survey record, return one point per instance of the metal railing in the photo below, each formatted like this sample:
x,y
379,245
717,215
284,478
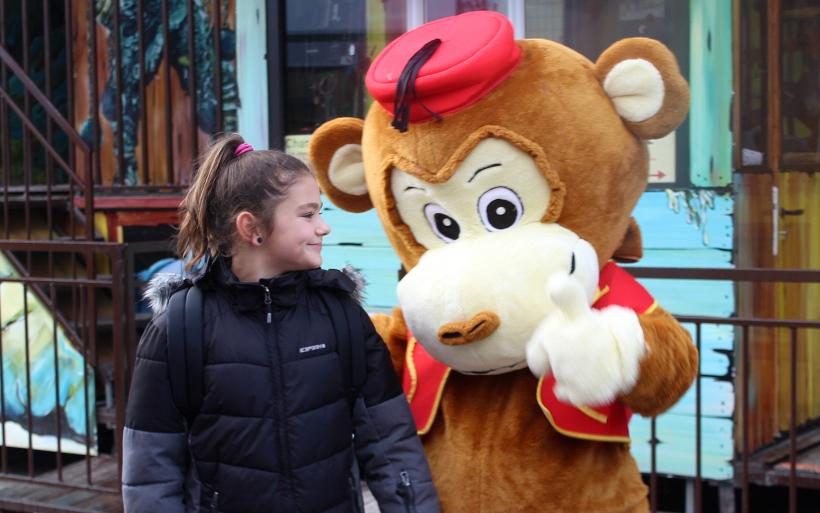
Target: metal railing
x,y
78,178
744,454
100,334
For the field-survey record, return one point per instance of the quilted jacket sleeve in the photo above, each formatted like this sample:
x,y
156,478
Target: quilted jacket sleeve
x,y
155,447
387,446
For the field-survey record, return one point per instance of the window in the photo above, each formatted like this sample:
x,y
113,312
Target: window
x,y
800,86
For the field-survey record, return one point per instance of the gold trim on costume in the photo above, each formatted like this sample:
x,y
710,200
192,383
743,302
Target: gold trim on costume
x,y
573,434
654,306
439,393
589,412
599,293
411,367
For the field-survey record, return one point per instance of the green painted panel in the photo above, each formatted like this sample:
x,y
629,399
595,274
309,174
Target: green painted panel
x,y
380,268
675,452
693,297
710,80
691,219
699,257
360,229
717,399
717,342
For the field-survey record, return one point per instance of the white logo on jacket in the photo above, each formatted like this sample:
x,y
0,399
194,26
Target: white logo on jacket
x,y
308,349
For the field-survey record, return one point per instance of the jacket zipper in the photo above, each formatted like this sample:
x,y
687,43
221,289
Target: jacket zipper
x,y
406,492
268,309
279,398
215,503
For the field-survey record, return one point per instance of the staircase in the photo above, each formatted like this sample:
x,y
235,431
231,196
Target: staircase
x,y
66,298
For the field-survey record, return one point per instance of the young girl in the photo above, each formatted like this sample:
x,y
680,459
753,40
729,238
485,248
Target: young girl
x,y
277,430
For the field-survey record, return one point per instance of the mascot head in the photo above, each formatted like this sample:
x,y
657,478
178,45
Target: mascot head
x,y
495,166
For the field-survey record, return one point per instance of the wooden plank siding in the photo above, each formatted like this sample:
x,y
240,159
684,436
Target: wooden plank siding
x,y
754,249
799,249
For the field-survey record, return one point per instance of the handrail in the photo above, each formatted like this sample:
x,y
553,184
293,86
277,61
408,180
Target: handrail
x,y
33,129
49,107
87,184
753,274
749,321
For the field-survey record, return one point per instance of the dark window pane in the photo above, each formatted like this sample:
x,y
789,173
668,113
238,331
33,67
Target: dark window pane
x,y
435,9
330,44
800,60
753,77
326,60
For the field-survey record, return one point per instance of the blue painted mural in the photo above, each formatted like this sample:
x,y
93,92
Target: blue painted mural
x,y
22,312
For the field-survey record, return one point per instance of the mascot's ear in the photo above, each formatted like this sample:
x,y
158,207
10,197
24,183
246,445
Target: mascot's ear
x,y
631,248
642,78
336,154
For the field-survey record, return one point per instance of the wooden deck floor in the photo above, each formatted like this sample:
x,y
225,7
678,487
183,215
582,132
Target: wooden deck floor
x,y
44,497
771,466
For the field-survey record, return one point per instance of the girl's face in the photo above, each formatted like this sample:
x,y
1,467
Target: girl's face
x,y
295,242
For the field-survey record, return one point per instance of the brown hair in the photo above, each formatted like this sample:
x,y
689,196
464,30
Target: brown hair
x,y
225,185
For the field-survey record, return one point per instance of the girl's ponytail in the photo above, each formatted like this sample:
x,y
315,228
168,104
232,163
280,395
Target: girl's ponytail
x,y
196,238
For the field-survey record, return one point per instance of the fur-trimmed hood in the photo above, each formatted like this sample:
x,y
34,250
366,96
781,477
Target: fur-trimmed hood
x,y
162,286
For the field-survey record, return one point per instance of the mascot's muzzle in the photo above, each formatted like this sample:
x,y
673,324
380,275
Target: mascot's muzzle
x,y
481,326
475,303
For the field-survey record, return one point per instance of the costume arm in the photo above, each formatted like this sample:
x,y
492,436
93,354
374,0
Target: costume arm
x,y
668,368
393,330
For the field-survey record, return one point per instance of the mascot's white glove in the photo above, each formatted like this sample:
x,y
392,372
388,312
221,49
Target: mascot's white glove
x,y
594,354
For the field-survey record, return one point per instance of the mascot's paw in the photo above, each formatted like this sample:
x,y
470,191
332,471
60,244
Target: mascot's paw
x,y
594,354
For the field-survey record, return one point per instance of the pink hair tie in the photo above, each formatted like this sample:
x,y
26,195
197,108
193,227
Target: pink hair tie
x,y
242,148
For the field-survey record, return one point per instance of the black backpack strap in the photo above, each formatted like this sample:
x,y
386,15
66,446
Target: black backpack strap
x,y
185,353
358,363
344,316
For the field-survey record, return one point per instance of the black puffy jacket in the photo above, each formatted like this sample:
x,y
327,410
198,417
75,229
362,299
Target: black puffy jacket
x,y
276,431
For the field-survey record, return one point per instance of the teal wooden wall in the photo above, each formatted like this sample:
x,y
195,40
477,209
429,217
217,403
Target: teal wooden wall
x,y
673,239
359,240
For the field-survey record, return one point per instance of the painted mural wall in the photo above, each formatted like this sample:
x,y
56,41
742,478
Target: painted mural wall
x,y
155,170
32,342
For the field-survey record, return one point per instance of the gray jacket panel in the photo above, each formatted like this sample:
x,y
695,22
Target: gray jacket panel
x,y
390,452
153,469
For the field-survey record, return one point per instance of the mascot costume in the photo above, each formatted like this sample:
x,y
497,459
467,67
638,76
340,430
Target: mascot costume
x,y
504,173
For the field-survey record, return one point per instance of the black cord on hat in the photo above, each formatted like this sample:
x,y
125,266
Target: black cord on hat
x,y
406,86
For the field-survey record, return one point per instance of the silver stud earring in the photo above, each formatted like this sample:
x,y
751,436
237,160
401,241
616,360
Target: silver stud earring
x,y
258,241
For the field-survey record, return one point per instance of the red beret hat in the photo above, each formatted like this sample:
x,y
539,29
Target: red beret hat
x,y
443,66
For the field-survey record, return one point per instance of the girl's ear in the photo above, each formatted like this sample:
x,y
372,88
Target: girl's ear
x,y
247,227
642,79
335,152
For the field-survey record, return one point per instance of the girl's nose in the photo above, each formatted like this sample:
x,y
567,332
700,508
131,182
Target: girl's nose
x,y
323,228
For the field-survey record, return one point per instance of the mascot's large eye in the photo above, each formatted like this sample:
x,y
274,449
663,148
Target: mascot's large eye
x,y
444,225
500,208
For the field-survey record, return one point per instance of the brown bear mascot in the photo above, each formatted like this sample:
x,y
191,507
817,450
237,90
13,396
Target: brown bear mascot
x,y
504,173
